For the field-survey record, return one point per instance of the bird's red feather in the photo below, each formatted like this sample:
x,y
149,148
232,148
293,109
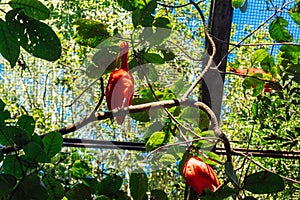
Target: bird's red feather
x,y
200,175
120,87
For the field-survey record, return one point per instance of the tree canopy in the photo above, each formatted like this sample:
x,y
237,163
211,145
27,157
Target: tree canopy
x,y
57,139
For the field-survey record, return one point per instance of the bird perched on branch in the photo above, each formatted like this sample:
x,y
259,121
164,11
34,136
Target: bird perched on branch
x,y
251,71
120,87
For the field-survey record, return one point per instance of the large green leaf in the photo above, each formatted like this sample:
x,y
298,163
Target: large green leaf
x,y
35,153
155,140
6,138
79,192
110,185
278,31
9,47
34,36
11,165
54,187
32,8
92,183
7,183
27,123
138,183
52,143
263,183
19,135
229,171
30,188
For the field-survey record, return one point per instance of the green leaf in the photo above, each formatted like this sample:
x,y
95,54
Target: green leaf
x,y
155,140
129,5
140,116
35,37
153,58
20,136
7,183
80,169
9,46
259,55
154,127
12,166
144,16
167,159
237,3
291,53
222,193
250,82
110,185
52,143
43,42
294,13
278,31
35,153
138,183
168,55
31,8
229,171
162,22
79,192
54,187
191,115
92,183
30,188
27,123
6,137
2,105
263,183
158,195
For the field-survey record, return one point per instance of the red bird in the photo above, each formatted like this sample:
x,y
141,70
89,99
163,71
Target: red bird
x,y
251,71
120,87
200,175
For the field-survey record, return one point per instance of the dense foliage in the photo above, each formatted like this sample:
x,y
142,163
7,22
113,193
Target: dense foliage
x,y
54,54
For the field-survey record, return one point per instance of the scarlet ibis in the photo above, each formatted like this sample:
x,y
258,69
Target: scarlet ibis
x,y
199,175
251,71
120,87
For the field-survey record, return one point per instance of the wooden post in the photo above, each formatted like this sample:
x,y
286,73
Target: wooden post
x,y
220,20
